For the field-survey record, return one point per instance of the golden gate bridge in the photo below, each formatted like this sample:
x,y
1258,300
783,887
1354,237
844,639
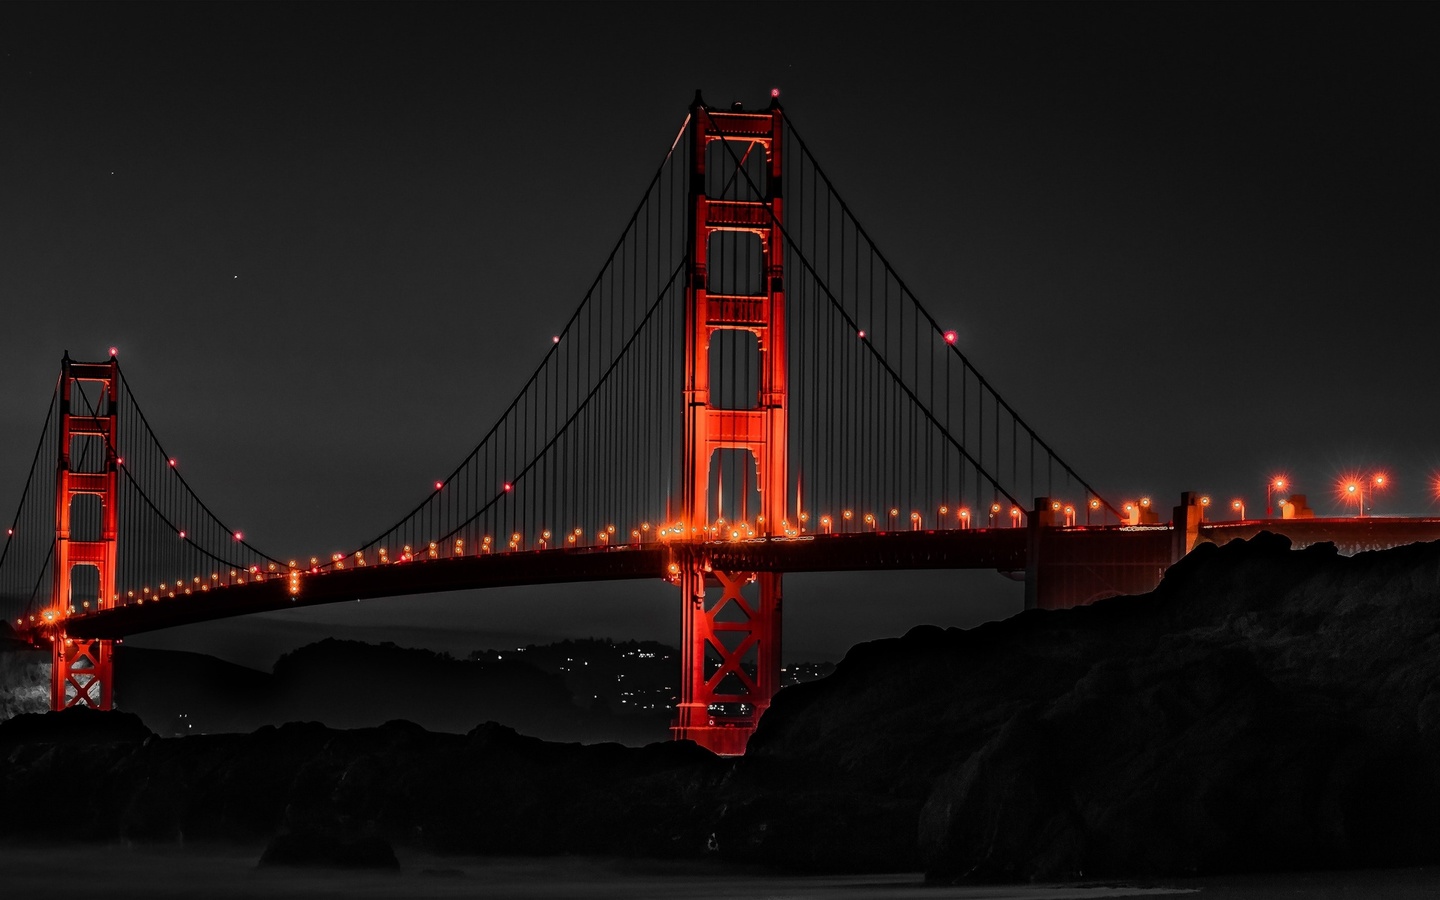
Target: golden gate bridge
x,y
747,388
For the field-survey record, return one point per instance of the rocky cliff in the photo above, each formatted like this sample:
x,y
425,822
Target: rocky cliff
x,y
1262,709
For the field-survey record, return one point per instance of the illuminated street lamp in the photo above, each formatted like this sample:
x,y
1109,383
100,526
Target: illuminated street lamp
x,y
1353,489
1204,505
1239,507
965,516
994,511
1277,483
1092,506
1014,517
1378,482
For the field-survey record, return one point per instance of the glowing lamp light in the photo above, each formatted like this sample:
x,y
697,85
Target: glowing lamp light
x,y
239,536
950,337
439,485
862,334
994,508
1054,505
114,351
172,462
1204,501
182,535
509,486
555,339
774,92
1094,504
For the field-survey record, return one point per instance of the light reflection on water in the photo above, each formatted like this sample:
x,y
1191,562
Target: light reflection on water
x,y
228,871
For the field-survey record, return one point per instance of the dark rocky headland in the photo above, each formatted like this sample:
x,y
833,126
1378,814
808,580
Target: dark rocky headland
x,y
1263,709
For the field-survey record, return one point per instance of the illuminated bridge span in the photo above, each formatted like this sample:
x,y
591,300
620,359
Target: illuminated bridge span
x,y
747,388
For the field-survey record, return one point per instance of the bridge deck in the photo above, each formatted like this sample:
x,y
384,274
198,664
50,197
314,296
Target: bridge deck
x,y
1079,563
999,548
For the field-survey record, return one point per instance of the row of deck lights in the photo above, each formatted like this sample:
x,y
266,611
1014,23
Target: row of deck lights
x,y
1351,489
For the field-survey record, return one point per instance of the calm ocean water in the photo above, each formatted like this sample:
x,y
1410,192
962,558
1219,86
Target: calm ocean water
x,y
228,871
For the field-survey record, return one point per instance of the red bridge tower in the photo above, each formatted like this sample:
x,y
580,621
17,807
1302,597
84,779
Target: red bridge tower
x,y
730,657
82,668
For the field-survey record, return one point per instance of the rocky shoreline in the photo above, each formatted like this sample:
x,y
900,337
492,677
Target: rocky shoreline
x,y
1263,709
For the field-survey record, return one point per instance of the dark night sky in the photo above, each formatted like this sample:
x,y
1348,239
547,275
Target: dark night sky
x,y
1194,246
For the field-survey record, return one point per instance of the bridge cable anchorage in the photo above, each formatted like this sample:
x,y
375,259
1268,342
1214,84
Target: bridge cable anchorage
x,y
934,324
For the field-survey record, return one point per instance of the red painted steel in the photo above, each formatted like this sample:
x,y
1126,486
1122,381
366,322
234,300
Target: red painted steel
x,y
730,652
82,673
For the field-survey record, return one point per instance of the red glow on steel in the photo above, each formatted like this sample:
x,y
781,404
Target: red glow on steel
x,y
509,486
950,337
774,92
172,461
182,535
82,672
745,689
239,536
114,351
439,485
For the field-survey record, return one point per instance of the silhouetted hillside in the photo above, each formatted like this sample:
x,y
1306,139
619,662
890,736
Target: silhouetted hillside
x,y
351,684
1262,709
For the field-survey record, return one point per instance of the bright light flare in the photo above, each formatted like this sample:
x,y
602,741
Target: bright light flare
x,y
1350,488
951,337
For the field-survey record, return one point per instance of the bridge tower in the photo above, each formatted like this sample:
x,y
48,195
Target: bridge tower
x,y
82,673
730,657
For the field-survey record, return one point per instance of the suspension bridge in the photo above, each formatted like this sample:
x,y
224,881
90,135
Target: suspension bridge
x,y
747,388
